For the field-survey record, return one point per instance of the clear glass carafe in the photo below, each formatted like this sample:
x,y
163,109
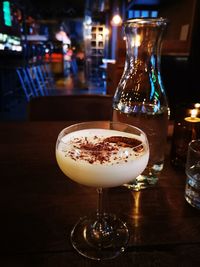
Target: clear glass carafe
x,y
140,98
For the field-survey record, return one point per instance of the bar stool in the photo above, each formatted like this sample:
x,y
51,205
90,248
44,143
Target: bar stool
x,y
48,75
25,83
41,79
38,86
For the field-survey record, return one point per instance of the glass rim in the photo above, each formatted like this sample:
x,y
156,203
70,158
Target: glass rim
x,y
60,136
191,145
146,21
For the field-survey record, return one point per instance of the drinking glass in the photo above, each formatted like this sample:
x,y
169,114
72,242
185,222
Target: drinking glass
x,y
101,154
192,188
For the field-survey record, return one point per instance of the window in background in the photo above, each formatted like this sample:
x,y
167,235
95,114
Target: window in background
x,y
142,14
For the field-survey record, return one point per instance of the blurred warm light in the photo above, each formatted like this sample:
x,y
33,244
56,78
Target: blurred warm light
x,y
100,37
116,20
193,116
197,105
194,113
106,31
62,36
136,41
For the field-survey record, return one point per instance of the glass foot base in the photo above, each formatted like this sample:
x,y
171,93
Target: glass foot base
x,y
100,239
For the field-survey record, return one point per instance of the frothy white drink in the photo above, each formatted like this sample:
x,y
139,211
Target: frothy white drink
x,y
101,157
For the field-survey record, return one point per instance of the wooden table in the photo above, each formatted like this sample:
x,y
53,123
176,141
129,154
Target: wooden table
x,y
39,207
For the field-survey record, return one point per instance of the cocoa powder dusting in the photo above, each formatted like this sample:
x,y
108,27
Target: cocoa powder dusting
x,y
123,141
103,150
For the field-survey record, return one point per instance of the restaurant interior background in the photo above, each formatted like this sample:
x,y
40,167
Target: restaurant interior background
x,y
77,47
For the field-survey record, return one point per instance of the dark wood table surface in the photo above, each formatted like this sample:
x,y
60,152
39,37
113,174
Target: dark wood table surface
x,y
39,207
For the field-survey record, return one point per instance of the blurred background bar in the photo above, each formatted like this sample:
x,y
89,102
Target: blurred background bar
x,y
51,48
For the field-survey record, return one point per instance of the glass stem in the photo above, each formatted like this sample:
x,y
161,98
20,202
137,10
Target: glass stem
x,y
100,204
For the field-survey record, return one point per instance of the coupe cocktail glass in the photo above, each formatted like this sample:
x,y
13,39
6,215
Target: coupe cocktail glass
x,y
101,154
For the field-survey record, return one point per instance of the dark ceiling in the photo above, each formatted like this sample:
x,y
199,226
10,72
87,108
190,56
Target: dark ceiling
x,y
53,9
62,9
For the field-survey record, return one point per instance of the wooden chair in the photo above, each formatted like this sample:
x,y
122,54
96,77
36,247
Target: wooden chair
x,y
70,107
